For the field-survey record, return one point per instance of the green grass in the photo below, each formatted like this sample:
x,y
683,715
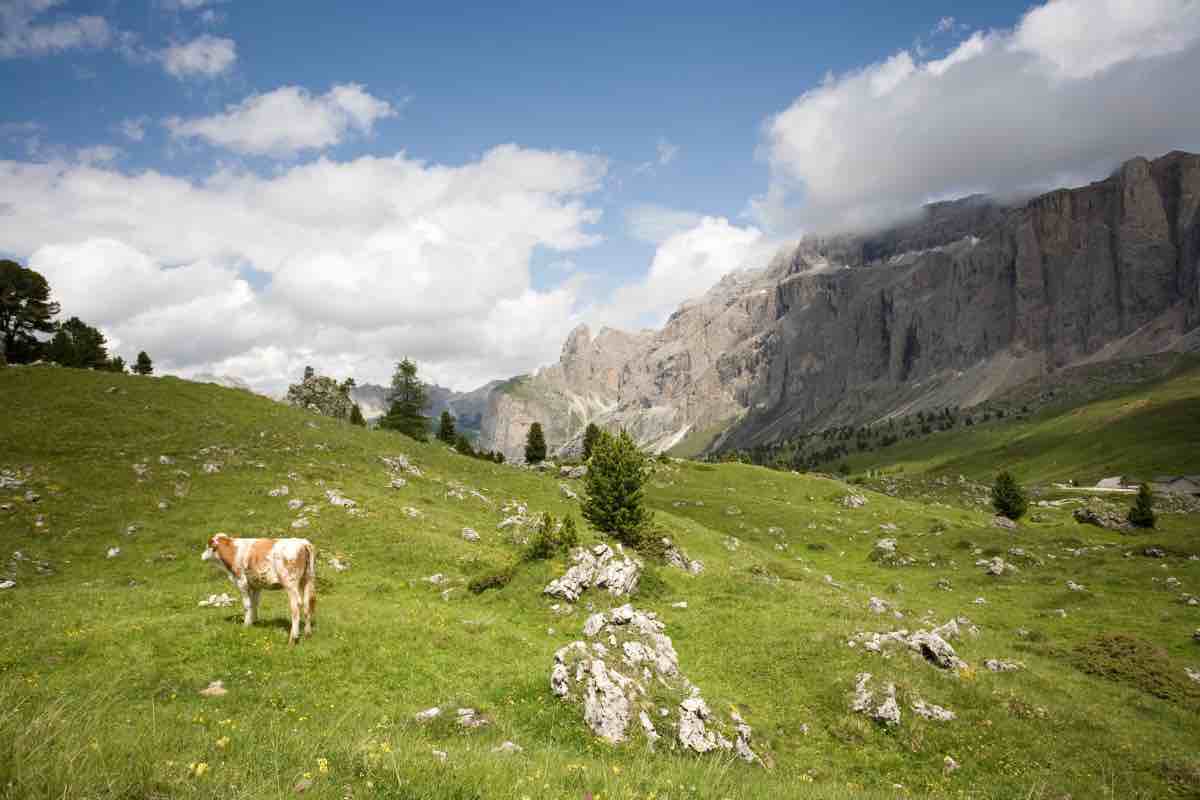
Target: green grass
x,y
1145,431
103,659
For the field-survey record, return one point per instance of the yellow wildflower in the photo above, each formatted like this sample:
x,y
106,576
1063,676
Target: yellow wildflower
x,y
323,765
223,742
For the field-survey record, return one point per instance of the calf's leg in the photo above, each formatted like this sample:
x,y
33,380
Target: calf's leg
x,y
294,604
310,605
248,604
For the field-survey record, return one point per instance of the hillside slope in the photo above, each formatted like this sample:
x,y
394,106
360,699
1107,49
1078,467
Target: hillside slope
x,y
104,657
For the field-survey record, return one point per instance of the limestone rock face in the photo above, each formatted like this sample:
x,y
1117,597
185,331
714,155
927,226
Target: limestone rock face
x,y
972,298
322,395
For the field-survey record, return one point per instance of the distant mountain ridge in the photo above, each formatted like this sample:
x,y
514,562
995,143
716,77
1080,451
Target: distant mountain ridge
x,y
971,298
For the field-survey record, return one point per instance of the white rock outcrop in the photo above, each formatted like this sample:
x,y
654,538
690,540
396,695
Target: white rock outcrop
x,y
598,566
619,675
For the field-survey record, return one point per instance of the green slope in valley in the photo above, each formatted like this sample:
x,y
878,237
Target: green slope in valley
x,y
103,658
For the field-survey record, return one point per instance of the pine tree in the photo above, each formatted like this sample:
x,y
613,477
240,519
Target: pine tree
x,y
1141,514
144,365
590,435
356,417
463,445
445,431
408,400
615,499
77,344
25,310
535,444
115,364
1008,498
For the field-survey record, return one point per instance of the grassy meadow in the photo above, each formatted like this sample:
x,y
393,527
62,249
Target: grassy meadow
x,y
104,658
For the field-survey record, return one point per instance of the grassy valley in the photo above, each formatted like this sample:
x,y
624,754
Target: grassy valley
x,y
105,658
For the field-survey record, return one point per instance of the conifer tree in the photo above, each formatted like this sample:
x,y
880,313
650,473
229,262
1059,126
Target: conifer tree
x,y
615,498
356,416
144,365
408,400
1141,514
590,435
535,444
25,309
446,431
463,445
1008,498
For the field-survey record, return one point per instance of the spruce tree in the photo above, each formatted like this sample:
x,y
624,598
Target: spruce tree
x,y
445,431
356,416
1141,514
408,400
463,445
144,365
535,444
615,498
590,435
1008,498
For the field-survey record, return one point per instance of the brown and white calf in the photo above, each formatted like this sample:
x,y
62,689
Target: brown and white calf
x,y
257,564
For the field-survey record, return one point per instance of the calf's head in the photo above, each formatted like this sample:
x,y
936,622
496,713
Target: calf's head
x,y
215,545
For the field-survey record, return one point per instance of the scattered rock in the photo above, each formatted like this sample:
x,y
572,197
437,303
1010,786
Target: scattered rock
x,y
1194,674
979,601
677,558
470,534
427,714
681,604
931,644
1154,552
281,491
732,543
301,522
567,492
949,765
996,566
295,504
573,472
141,470
411,512
336,499
877,606
1101,517
221,600
214,689
470,718
598,566
507,747
933,712
211,468
1076,587
440,755
1004,522
338,564
398,483
854,501
437,579
7,584
997,665
887,712
113,552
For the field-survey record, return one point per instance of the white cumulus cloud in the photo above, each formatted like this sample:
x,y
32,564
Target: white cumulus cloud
x,y
347,265
1076,87
205,56
287,120
30,28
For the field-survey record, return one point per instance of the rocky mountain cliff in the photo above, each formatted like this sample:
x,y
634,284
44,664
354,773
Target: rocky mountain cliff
x,y
971,298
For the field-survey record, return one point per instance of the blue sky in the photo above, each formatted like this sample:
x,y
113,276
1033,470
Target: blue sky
x,y
689,110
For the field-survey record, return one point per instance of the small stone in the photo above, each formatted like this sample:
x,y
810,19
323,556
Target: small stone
x,y
6,584
113,552
440,755
1075,587
222,600
470,535
338,564
996,665
680,604
436,579
398,483
211,468
281,491
877,606
508,747
214,689
949,765
301,522
1154,552
295,504
1004,522
427,714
